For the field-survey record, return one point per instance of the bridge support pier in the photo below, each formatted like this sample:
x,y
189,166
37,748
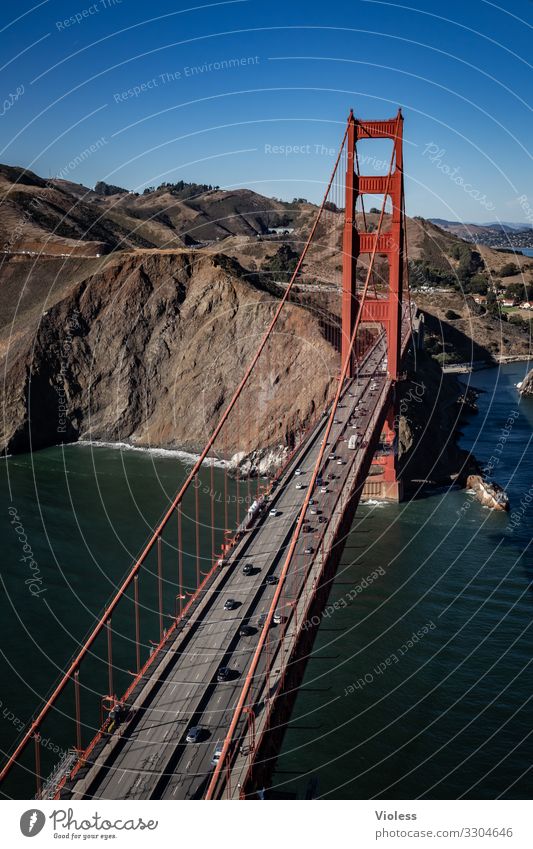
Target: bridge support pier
x,y
385,484
392,489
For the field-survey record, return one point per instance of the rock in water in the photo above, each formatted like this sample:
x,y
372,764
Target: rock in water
x,y
526,386
489,494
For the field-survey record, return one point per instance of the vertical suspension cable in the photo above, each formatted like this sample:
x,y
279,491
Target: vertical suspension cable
x,y
181,592
197,527
212,497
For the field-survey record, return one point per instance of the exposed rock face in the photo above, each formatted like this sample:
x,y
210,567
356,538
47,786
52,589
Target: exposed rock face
x,y
489,494
430,407
148,348
526,386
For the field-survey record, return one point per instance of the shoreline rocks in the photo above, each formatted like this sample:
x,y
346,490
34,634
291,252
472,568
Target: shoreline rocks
x,y
491,495
525,387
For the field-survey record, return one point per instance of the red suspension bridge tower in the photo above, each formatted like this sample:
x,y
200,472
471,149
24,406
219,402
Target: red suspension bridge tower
x,y
385,308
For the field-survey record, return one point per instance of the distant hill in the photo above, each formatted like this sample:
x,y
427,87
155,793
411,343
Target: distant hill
x,y
58,216
497,235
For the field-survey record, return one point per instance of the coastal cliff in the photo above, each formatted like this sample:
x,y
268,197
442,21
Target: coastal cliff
x,y
147,348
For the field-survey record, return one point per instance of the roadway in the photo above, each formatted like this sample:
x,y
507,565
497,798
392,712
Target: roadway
x,y
148,757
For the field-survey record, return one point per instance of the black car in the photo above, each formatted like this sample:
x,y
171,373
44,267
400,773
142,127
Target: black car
x,y
246,631
248,569
230,604
224,673
322,519
271,579
195,734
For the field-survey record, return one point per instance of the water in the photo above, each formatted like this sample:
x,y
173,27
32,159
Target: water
x,y
448,714
73,520
526,251
444,715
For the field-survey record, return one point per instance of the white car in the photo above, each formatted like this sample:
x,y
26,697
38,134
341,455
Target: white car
x,y
340,462
273,512
299,486
297,472
323,489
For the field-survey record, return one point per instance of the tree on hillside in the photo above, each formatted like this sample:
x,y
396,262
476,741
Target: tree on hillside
x,y
478,284
281,266
105,189
520,291
509,269
493,307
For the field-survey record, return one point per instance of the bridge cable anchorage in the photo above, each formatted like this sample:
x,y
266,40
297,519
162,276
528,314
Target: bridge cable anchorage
x,y
104,621
239,708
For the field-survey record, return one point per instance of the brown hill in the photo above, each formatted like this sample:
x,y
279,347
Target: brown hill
x,y
147,348
57,216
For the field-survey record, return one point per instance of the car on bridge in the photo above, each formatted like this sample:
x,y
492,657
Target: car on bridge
x,y
278,618
248,569
299,486
217,753
297,472
246,631
225,673
195,734
309,549
261,622
271,579
230,604
332,457
273,512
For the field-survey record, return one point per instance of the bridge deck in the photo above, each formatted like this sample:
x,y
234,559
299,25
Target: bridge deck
x,y
147,756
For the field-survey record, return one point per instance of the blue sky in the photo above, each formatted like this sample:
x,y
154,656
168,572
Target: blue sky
x,y
204,92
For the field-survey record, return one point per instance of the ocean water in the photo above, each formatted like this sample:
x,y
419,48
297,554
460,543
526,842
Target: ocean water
x,y
422,686
420,680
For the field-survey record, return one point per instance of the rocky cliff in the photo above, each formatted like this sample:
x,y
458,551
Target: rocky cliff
x,y
431,405
148,347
